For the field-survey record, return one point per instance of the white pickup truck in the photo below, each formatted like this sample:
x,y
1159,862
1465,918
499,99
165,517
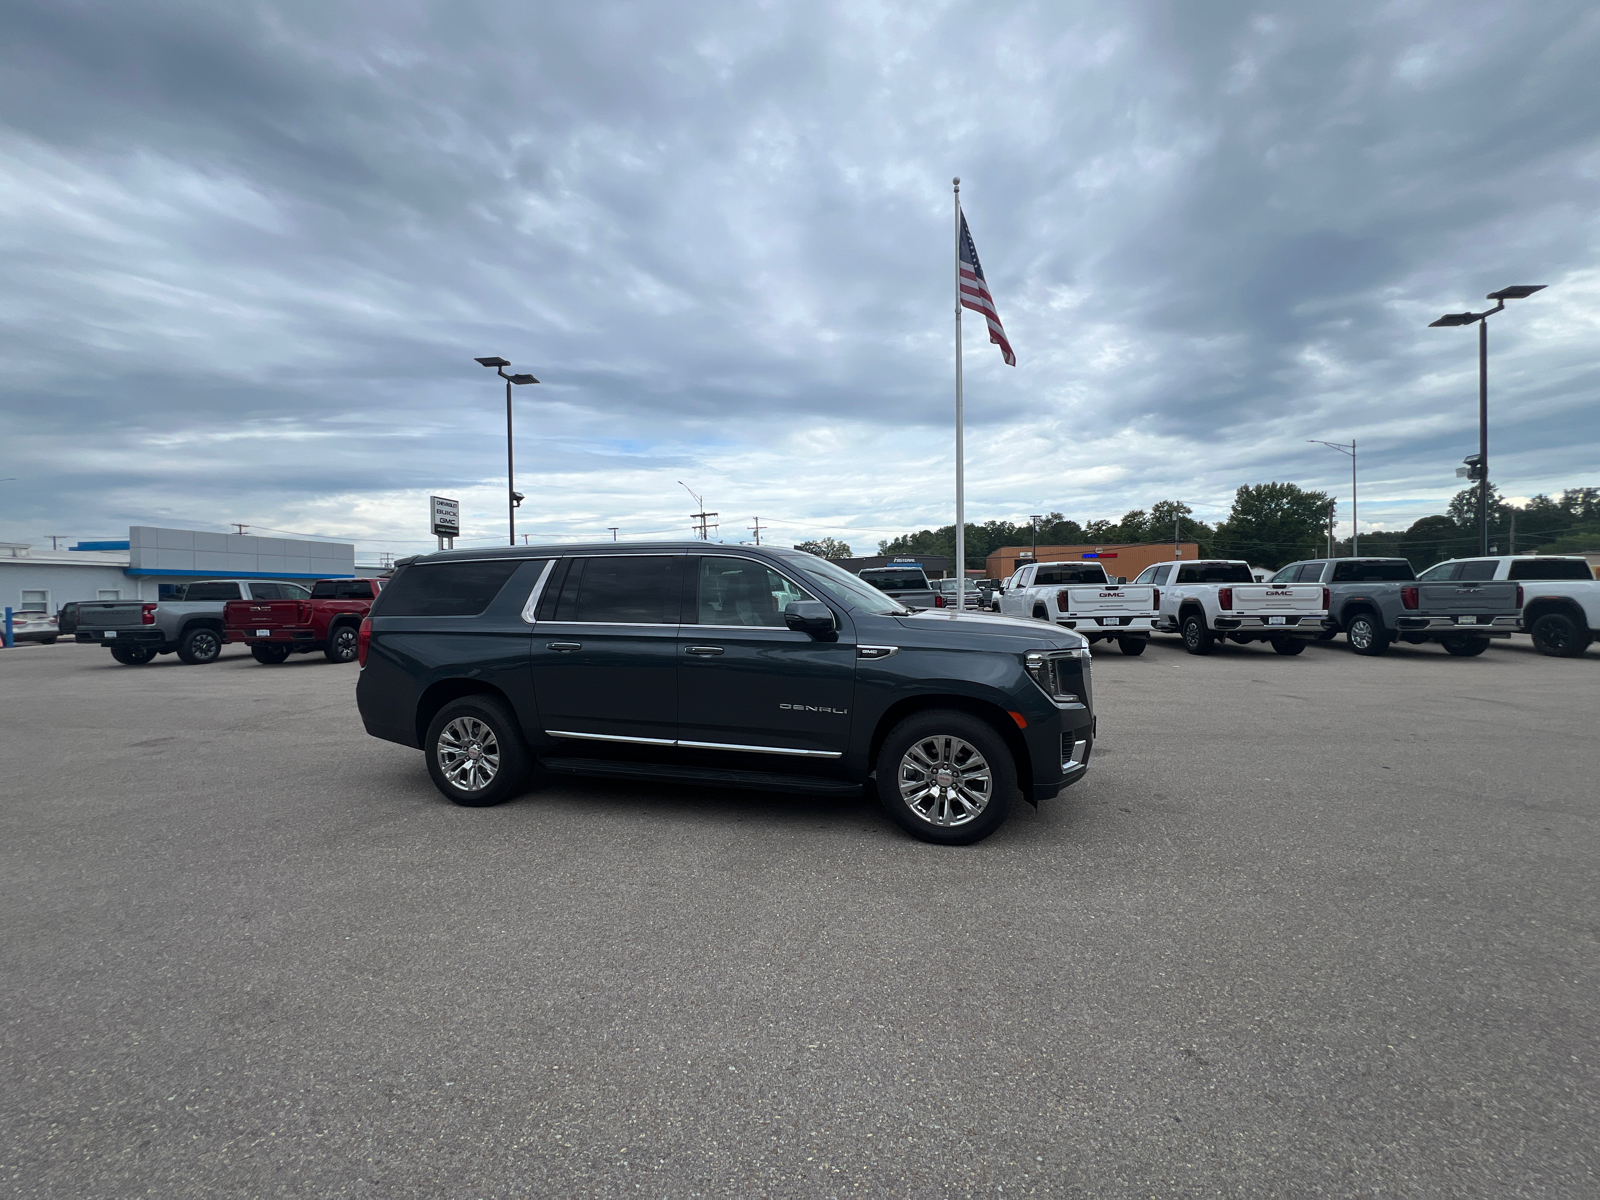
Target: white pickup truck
x,y
1560,596
1216,599
1081,596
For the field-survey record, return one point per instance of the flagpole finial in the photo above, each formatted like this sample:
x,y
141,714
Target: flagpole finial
x,y
956,181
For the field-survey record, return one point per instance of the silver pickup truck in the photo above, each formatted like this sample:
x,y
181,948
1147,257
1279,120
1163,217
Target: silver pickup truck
x,y
188,625
906,582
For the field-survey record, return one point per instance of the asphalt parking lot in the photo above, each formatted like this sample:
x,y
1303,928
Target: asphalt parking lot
x,y
1312,926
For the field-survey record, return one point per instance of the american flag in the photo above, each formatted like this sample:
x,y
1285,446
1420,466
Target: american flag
x,y
975,293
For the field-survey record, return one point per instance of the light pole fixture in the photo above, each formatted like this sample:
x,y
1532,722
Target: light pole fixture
x,y
513,497
1355,529
1034,520
1520,291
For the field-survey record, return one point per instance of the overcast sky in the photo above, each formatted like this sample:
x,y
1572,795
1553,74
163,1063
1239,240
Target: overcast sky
x,y
251,250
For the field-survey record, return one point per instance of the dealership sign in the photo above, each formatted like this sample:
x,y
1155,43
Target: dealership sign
x,y
446,517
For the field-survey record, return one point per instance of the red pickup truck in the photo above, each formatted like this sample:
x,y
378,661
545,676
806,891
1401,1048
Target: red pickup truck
x,y
329,621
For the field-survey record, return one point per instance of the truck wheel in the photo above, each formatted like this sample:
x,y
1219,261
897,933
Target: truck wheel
x,y
475,752
1132,647
1464,647
341,647
201,644
1039,614
1559,636
946,777
1197,639
1365,636
1288,646
132,656
269,653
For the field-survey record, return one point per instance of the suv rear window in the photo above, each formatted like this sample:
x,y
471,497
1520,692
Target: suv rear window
x,y
444,589
1215,572
1550,568
1355,571
1060,573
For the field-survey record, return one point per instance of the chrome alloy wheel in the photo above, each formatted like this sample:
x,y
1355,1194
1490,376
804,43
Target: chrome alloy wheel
x,y
945,781
469,754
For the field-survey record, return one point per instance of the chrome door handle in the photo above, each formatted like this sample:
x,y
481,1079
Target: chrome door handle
x,y
705,651
559,646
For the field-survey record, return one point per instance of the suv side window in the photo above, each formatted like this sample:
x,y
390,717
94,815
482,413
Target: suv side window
x,y
1477,570
741,591
631,589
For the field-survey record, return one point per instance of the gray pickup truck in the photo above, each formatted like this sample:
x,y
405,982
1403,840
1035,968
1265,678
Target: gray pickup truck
x,y
189,624
1376,602
906,582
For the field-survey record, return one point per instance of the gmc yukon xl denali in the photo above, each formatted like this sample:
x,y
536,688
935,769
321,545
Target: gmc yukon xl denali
x,y
740,667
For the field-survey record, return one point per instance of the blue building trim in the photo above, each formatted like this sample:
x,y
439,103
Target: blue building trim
x,y
101,546
153,571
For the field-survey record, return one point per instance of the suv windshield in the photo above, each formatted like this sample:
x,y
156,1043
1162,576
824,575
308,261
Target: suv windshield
x,y
850,591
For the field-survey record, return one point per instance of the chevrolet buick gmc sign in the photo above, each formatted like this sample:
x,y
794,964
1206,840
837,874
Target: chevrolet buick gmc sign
x,y
446,517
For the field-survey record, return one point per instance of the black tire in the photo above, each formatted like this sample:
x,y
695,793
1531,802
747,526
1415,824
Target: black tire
x,y
1132,647
1559,636
485,724
1464,647
132,656
269,653
931,738
200,645
1366,636
1288,647
1039,614
341,647
49,641
1327,635
1197,639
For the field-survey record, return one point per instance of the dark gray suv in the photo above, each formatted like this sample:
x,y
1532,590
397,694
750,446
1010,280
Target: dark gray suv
x,y
732,666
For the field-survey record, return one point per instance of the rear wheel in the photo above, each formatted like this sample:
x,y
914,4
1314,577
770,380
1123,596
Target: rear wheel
x,y
269,653
1039,614
946,777
1559,636
201,644
1197,639
1464,647
475,752
1133,647
1366,636
132,656
341,647
1288,646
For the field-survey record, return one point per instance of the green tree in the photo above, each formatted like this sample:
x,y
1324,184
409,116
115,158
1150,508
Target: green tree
x,y
1463,508
1274,523
1434,539
826,548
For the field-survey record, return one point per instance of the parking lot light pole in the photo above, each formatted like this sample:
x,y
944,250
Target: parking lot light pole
x,y
1355,529
1034,520
513,497
1519,291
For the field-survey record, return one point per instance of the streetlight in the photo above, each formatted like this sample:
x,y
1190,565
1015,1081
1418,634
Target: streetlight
x,y
1520,292
1355,529
513,497
1033,519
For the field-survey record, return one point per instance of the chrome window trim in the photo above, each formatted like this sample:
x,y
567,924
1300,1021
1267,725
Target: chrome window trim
x,y
644,741
614,624
531,608
748,628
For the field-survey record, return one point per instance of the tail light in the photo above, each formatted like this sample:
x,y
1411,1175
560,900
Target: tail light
x,y
147,614
938,600
1327,598
1155,597
1224,597
303,611
1519,595
1063,600
1408,597
363,640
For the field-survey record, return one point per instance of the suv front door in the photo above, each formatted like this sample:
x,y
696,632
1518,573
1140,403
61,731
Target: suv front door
x,y
746,681
605,649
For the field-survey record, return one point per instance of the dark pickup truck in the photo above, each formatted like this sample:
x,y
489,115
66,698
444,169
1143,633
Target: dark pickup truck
x,y
1376,602
328,621
734,667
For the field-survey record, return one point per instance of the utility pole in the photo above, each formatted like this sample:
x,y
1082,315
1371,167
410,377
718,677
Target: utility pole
x,y
1513,513
1333,509
54,539
239,527
702,530
1034,520
614,529
757,528
1177,537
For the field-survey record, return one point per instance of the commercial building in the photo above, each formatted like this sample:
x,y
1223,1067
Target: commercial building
x,y
1121,560
152,561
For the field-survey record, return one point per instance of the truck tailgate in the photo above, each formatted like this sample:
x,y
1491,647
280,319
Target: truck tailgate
x,y
1278,599
1466,599
1091,601
262,614
110,614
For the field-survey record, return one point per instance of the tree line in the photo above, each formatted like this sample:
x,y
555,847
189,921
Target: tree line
x,y
1275,523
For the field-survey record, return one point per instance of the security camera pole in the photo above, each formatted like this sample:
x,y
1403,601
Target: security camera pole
x,y
1520,291
513,497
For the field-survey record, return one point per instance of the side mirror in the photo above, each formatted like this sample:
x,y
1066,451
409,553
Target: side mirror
x,y
809,616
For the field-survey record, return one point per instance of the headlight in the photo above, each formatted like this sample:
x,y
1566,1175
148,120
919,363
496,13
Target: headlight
x,y
1053,669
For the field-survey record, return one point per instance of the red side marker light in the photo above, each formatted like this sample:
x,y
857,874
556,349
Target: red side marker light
x,y
1022,721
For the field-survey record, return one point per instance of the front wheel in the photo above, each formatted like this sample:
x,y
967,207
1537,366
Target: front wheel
x,y
341,647
1197,639
1559,636
132,656
1288,646
200,645
1464,647
1132,647
475,752
1366,636
269,653
946,777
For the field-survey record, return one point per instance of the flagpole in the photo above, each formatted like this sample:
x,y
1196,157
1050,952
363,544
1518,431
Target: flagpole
x,y
961,514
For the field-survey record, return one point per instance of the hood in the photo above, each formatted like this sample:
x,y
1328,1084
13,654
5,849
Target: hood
x,y
1010,632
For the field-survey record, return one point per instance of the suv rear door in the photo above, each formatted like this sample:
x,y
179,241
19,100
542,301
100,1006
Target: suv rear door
x,y
605,649
746,681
